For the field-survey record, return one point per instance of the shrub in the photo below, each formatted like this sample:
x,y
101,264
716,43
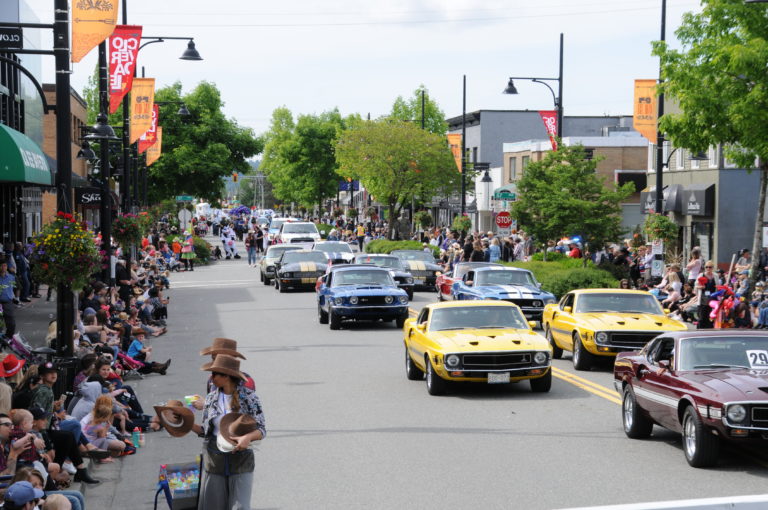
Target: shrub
x,y
384,246
202,248
324,228
551,256
462,223
562,276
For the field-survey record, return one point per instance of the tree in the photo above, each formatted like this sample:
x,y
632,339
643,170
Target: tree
x,y
199,152
562,195
393,159
273,162
409,110
718,78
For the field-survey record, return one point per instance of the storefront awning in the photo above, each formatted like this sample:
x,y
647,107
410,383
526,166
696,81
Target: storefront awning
x,y
671,199
699,199
21,159
506,192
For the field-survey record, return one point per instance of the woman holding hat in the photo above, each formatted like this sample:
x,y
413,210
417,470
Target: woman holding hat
x,y
233,412
188,252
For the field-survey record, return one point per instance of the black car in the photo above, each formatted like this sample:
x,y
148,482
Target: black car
x,y
299,269
422,266
403,278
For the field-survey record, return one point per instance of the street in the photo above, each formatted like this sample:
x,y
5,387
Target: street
x,y
346,429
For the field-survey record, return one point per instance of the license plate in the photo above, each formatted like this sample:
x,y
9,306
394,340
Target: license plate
x,y
498,378
307,280
419,281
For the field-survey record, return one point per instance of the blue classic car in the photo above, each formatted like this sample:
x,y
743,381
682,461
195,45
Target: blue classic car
x,y
360,292
507,284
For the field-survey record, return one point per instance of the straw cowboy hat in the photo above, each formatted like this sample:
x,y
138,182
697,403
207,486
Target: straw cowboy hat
x,y
234,425
11,365
224,364
175,418
222,346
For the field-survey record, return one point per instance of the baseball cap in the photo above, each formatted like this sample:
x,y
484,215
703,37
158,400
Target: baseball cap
x,y
21,493
38,413
45,368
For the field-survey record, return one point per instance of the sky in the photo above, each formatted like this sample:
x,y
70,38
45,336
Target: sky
x,y
359,55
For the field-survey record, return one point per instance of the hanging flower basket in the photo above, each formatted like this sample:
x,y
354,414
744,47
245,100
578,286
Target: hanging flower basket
x,y
462,223
423,219
659,226
65,253
126,229
352,213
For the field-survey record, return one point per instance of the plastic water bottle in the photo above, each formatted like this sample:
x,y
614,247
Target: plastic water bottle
x,y
135,437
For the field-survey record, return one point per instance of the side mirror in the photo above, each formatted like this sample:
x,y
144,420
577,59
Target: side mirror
x,y
664,364
567,309
422,326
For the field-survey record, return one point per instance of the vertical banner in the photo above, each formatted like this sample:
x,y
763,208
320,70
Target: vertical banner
x,y
454,141
645,112
154,152
92,23
142,100
149,138
123,48
549,117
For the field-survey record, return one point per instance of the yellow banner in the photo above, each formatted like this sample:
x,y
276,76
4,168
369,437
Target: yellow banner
x,y
92,22
142,100
646,111
156,149
454,140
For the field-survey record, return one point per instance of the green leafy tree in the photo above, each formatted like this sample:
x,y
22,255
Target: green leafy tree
x,y
719,80
199,152
562,195
392,159
410,110
273,162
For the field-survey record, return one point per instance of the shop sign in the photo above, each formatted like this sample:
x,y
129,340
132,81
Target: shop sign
x,y
11,38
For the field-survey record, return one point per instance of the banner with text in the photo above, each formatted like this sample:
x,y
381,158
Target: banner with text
x,y
142,101
92,23
154,152
123,48
549,117
149,138
645,111
454,140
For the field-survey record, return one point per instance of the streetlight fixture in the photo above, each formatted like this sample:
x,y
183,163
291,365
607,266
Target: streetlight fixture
x,y
558,98
86,152
487,184
191,52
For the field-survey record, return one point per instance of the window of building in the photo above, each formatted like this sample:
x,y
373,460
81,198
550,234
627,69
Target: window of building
x,y
680,159
474,154
712,155
651,158
526,160
512,169
639,179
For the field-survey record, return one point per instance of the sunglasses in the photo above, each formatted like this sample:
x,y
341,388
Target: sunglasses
x,y
709,267
214,374
6,424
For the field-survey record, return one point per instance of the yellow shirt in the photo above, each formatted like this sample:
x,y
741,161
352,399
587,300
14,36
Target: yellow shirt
x,y
360,231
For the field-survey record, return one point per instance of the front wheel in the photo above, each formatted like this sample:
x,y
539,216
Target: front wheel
x,y
322,315
265,279
400,322
542,384
412,372
436,385
557,352
701,447
582,359
636,424
334,320
410,294
280,287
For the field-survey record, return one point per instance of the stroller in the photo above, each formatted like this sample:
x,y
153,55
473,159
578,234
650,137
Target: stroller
x,y
129,366
18,346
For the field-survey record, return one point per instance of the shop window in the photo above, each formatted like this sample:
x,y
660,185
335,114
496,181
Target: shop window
x,y
526,160
680,159
639,179
512,169
712,155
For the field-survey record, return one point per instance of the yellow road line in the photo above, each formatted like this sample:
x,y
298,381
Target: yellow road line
x,y
584,384
412,311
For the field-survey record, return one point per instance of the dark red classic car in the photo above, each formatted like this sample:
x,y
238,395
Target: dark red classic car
x,y
710,386
445,281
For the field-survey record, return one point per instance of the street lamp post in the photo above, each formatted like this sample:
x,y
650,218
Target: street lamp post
x,y
487,185
558,98
659,134
464,146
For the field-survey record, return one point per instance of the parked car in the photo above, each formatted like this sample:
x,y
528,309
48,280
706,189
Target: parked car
x,y
445,281
594,323
708,385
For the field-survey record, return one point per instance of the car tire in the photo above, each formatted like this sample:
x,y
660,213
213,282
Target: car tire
x,y
439,296
410,294
412,372
400,322
636,424
280,287
582,359
261,276
436,385
334,320
700,446
322,315
264,280
557,352
542,384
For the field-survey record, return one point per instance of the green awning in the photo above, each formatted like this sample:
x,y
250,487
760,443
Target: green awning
x,y
21,159
506,192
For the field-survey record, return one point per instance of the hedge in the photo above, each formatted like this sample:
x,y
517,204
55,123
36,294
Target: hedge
x,y
385,246
324,229
202,248
562,276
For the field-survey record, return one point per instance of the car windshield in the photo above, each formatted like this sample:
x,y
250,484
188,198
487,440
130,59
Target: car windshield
x,y
304,256
414,255
504,278
723,353
362,277
275,252
477,317
276,224
299,228
618,302
333,247
462,269
388,262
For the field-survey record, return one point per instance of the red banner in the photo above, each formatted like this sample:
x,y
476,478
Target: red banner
x,y
549,117
123,48
149,138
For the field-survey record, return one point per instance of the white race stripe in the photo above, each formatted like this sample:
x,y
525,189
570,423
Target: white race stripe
x,y
655,397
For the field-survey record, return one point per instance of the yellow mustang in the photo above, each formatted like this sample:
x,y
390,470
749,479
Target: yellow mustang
x,y
475,341
602,322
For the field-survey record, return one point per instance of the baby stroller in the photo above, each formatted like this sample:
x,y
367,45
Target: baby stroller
x,y
18,346
129,366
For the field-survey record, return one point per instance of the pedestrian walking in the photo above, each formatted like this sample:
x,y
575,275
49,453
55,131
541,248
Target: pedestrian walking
x,y
7,283
259,239
250,247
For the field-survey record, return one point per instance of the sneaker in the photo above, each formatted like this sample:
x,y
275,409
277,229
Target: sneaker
x,y
26,300
69,468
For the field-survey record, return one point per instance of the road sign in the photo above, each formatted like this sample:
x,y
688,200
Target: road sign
x,y
657,247
184,198
185,216
11,37
505,195
503,220
657,267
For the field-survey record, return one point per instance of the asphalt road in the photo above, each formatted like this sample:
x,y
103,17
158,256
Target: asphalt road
x,y
346,429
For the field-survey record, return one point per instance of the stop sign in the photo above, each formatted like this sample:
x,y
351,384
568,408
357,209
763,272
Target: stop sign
x,y
503,220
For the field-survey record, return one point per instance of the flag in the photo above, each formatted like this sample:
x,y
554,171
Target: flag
x,y
142,101
123,48
150,137
155,151
645,112
92,22
454,140
549,117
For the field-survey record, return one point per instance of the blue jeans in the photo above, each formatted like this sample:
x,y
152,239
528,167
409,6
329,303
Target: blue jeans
x,y
72,426
252,255
763,317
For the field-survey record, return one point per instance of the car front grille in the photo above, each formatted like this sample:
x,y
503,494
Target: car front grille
x,y
306,274
420,273
631,339
370,300
760,415
301,240
495,361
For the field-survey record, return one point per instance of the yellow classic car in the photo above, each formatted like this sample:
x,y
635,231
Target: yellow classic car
x,y
603,322
475,341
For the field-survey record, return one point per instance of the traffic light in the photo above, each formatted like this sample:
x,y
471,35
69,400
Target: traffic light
x,y
234,177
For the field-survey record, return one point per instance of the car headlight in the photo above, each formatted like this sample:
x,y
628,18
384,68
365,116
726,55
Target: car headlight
x,y
403,300
438,273
537,303
287,275
353,300
452,360
601,337
388,300
736,413
540,358
409,280
337,301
